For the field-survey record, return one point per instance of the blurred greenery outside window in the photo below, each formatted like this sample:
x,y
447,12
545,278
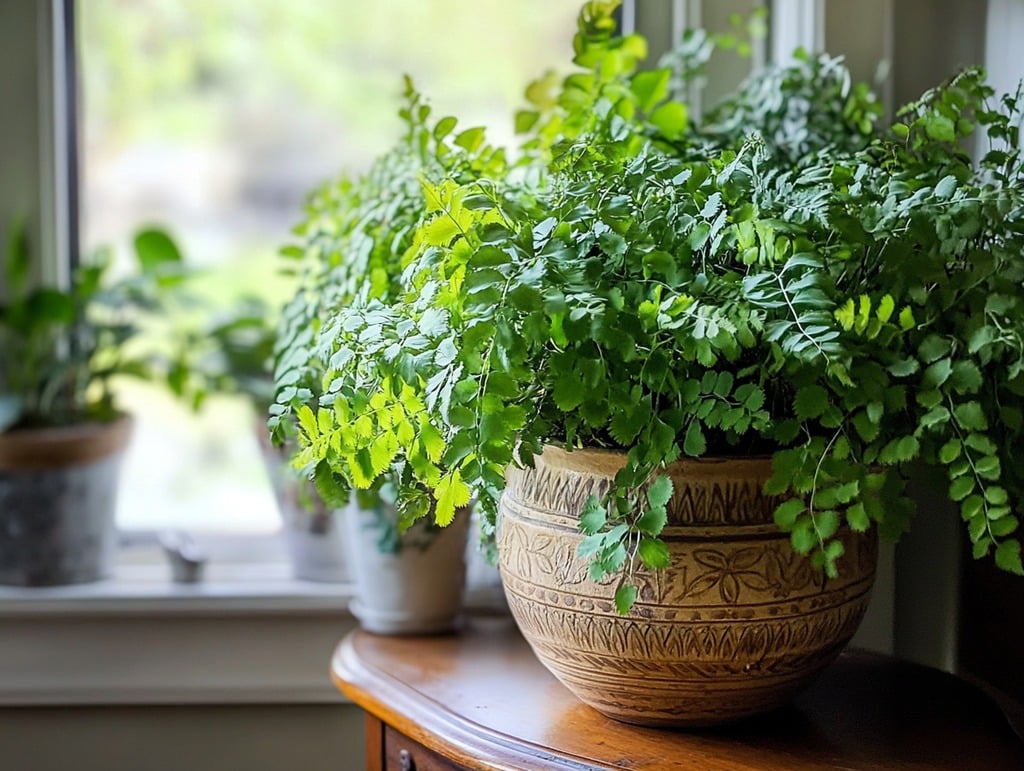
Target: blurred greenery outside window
x,y
214,120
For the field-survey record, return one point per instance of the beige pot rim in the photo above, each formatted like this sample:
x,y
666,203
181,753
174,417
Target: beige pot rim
x,y
58,447
595,460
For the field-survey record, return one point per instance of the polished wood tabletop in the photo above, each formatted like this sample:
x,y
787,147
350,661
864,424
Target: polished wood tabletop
x,y
480,699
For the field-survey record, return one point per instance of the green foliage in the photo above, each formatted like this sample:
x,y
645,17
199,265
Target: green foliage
x,y
367,423
60,348
843,299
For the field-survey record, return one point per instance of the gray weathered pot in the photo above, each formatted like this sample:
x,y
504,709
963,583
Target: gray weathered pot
x,y
58,492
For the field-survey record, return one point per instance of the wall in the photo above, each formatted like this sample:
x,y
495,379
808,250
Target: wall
x,y
183,738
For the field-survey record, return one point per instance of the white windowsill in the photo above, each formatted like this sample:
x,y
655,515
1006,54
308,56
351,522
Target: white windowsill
x,y
145,590
245,634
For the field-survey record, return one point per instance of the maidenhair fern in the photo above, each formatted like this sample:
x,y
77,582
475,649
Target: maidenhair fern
x,y
795,282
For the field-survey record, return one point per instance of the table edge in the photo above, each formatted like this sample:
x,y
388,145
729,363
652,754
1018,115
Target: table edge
x,y
465,741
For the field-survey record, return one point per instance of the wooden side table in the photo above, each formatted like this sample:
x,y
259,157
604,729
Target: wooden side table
x,y
480,700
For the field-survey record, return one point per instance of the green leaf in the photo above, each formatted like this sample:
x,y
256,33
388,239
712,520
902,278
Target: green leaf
x,y
694,443
981,443
470,139
933,347
625,596
444,127
857,518
826,523
810,402
154,250
867,430
594,516
980,338
940,128
654,553
329,486
966,377
961,488
1004,527
970,416
433,442
988,467
1008,556
950,451
590,545
650,87
935,416
803,538
652,521
886,306
451,493
787,512
996,496
525,120
971,506
660,491
671,119
568,392
946,187
936,374
307,421
903,367
907,320
50,306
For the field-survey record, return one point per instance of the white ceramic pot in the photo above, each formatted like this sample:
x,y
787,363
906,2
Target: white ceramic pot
x,y
416,590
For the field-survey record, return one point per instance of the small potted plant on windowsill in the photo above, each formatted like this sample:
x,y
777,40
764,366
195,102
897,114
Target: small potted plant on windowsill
x,y
353,244
652,334
231,354
61,434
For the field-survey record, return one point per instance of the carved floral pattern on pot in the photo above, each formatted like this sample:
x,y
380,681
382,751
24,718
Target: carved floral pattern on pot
x,y
757,568
736,625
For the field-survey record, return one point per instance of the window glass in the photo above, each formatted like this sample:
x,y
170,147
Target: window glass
x,y
214,119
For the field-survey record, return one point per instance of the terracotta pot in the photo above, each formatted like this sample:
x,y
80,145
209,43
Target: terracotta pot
x,y
414,590
58,492
736,626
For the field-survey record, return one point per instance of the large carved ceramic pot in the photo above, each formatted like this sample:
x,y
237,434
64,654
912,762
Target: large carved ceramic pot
x,y
736,626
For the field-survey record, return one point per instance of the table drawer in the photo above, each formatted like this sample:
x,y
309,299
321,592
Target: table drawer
x,y
403,754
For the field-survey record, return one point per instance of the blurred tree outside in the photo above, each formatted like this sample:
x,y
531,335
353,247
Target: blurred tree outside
x,y
215,119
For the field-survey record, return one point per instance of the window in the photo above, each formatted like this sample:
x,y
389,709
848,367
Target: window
x,y
214,120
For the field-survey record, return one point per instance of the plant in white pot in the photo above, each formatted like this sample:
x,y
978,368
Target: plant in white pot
x,y
61,434
353,244
231,352
678,358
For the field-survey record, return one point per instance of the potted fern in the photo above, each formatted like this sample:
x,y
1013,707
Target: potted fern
x,y
61,434
690,364
408,570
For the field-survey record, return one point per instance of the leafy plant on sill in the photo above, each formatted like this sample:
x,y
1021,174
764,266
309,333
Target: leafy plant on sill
x,y
846,303
60,349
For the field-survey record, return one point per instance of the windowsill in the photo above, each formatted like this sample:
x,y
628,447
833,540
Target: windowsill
x,y
246,634
145,590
